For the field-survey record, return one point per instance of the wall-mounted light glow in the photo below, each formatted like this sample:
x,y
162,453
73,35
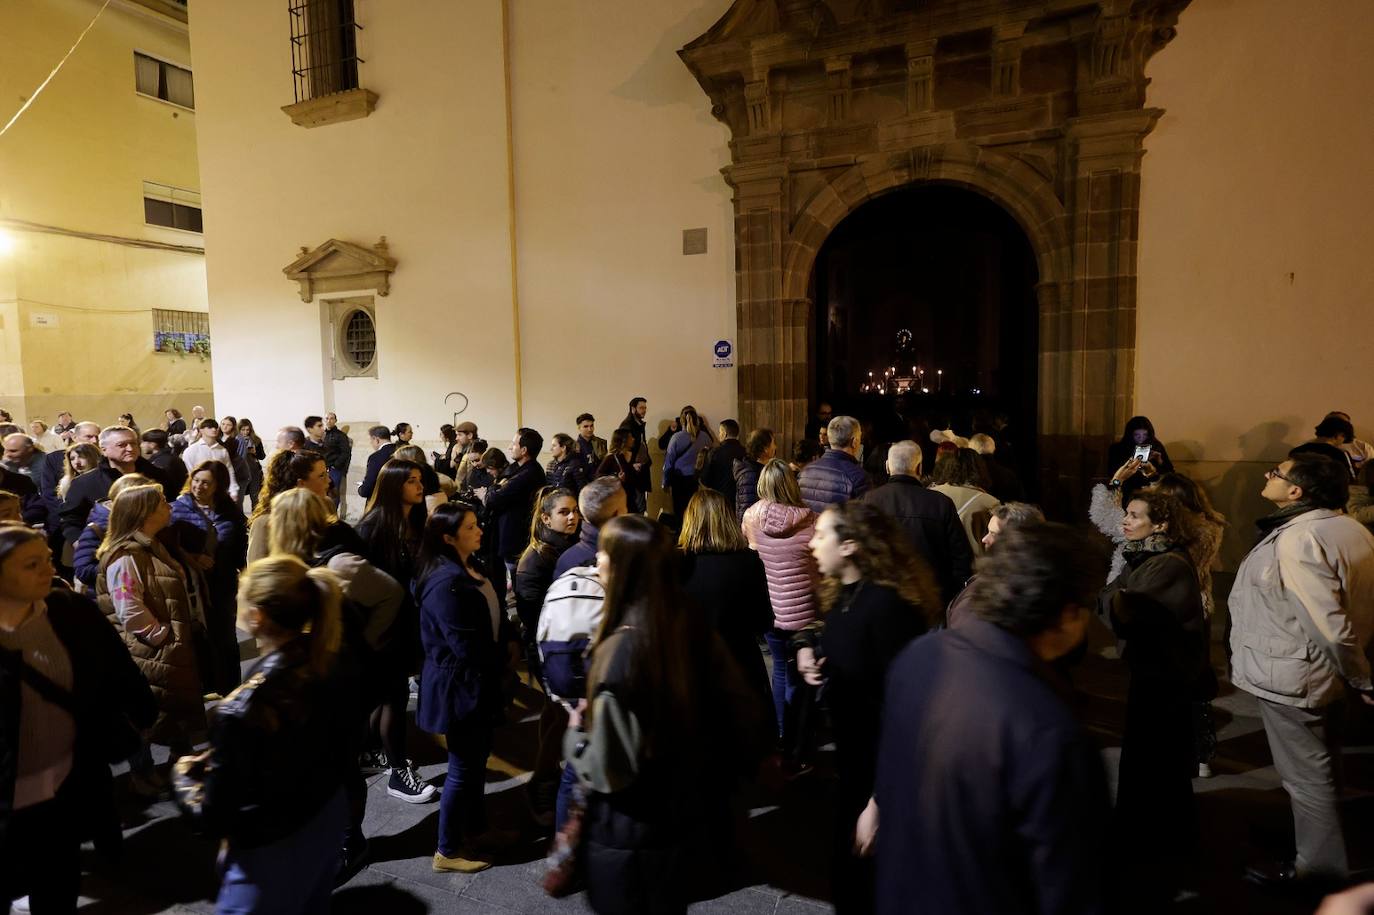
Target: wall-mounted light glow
x,y
8,244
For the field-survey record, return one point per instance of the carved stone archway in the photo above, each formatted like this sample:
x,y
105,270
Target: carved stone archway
x,y
1036,104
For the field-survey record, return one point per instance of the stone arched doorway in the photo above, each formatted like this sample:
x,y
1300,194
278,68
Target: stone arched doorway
x,y
1038,107
926,317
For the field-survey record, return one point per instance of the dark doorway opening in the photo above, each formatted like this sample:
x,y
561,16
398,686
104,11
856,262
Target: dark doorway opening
x,y
926,313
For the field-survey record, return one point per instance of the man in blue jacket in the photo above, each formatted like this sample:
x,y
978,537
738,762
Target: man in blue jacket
x,y
836,476
990,796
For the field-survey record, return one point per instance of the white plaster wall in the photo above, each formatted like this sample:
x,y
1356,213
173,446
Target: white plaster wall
x,y
1255,289
427,169
615,154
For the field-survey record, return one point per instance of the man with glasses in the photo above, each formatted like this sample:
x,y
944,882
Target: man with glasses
x,y
120,455
1302,613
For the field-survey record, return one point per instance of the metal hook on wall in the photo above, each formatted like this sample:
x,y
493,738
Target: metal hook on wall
x,y
464,408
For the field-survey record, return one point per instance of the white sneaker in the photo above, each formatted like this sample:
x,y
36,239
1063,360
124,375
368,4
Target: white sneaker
x,y
406,785
1204,770
20,905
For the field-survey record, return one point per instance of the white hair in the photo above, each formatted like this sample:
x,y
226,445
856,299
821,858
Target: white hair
x,y
904,457
842,431
982,443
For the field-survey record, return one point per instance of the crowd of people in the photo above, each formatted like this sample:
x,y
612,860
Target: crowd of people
x,y
844,595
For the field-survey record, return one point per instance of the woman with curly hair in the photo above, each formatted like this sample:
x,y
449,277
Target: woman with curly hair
x,y
287,470
876,596
1156,606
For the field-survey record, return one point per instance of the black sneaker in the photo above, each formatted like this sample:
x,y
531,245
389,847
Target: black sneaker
x,y
354,859
373,762
406,785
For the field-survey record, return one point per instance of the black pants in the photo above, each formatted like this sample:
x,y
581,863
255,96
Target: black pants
x,y
683,488
41,857
1156,816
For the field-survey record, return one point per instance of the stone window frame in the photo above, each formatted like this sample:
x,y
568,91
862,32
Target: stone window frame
x,y
337,314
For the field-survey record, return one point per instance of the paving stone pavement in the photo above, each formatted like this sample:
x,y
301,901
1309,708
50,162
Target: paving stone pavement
x,y
1244,814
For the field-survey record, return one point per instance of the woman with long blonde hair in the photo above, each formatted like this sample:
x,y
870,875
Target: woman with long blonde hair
x,y
145,593
281,832
80,458
877,596
727,582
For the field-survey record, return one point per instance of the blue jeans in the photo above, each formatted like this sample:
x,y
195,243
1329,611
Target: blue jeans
x,y
295,874
336,480
565,791
784,674
462,810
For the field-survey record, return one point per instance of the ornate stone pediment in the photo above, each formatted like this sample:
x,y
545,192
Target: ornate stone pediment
x,y
338,266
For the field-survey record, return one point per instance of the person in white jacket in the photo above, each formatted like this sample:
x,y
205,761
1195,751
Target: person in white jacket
x,y
208,448
1302,612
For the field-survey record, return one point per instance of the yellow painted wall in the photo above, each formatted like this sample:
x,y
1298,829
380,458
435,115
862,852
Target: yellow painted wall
x,y
1255,240
77,160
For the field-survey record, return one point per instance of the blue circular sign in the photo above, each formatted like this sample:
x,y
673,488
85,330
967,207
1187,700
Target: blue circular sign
x,y
723,349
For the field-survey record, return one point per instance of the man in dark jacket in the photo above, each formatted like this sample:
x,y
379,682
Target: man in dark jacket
x,y
31,506
157,452
119,445
837,476
990,795
929,518
338,454
760,449
382,450
719,473
51,470
1003,483
600,500
510,503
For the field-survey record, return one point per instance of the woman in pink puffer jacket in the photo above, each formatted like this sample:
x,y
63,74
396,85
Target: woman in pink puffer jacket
x,y
779,526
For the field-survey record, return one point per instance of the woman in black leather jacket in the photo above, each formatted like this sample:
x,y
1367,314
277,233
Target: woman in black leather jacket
x,y
293,715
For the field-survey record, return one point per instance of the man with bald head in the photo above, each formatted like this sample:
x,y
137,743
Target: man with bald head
x,y
21,455
929,518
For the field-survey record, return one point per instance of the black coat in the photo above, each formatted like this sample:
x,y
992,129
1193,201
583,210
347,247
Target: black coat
x,y
869,625
338,449
1003,483
283,717
49,475
108,690
534,574
932,525
174,472
732,590
375,460
571,473
31,506
719,473
93,487
510,504
746,486
992,795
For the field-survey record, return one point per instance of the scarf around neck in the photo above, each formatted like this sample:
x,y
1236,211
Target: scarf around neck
x,y
1282,516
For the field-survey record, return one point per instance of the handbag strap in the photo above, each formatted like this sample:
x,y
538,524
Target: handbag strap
x,y
13,661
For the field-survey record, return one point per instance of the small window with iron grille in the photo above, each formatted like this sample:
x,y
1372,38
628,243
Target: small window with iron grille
x,y
181,332
324,47
352,323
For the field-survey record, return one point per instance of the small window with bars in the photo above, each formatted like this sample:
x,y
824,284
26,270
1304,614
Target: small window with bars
x,y
324,47
161,80
181,331
359,340
171,207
